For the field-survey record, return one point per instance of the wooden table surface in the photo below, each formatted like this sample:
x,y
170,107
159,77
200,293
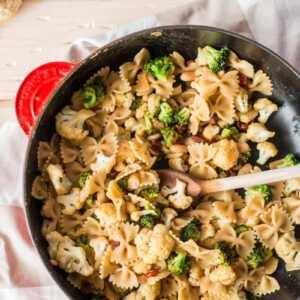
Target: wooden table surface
x,y
43,31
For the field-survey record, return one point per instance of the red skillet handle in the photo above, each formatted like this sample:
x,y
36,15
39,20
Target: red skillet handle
x,y
35,89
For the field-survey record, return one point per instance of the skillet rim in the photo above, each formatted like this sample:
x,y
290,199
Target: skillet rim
x,y
26,193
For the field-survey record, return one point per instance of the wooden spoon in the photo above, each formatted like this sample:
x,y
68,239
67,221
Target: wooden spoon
x,y
195,187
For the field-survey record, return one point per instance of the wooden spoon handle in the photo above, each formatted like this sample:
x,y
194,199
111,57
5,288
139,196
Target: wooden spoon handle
x,y
244,181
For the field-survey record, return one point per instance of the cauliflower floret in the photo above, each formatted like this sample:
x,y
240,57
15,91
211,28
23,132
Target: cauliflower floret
x,y
53,239
248,116
223,274
149,291
155,245
241,101
69,123
66,255
265,107
60,181
258,133
210,131
227,154
291,186
266,151
71,201
176,195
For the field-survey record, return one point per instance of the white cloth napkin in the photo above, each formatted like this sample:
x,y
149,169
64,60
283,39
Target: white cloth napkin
x,y
274,23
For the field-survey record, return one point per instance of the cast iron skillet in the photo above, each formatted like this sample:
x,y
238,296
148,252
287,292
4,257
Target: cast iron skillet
x,y
185,39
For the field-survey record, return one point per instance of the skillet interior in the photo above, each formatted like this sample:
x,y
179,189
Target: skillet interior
x,y
185,39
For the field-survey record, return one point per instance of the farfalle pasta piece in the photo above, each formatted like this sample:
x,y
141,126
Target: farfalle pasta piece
x,y
275,221
96,123
224,211
108,103
68,151
128,71
69,123
241,65
60,181
262,283
261,83
244,242
210,83
143,86
39,188
177,195
89,149
200,113
163,88
73,171
115,84
255,207
106,266
200,155
141,153
125,253
115,194
91,228
124,278
224,108
44,153
185,291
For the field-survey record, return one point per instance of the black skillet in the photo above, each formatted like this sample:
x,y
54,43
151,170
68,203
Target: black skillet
x,y
186,40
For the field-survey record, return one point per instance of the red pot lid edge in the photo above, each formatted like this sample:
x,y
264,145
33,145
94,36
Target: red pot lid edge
x,y
35,90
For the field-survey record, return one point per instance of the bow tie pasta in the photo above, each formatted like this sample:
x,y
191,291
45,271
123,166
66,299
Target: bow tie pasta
x,y
112,226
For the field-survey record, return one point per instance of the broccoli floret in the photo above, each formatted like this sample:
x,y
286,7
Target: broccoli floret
x,y
228,254
169,136
166,113
264,189
216,59
89,97
89,202
123,183
82,178
190,231
136,103
179,263
259,255
92,92
244,158
148,123
289,160
241,228
161,67
150,193
230,132
148,221
182,117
